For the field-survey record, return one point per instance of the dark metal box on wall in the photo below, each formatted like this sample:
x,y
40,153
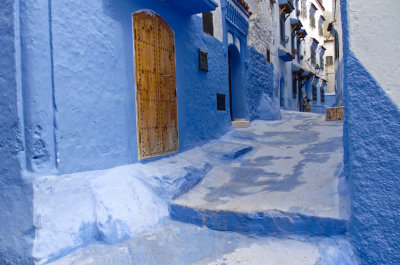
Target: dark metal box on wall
x,y
221,105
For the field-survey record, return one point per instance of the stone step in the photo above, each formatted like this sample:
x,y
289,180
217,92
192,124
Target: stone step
x,y
268,223
290,182
240,123
175,243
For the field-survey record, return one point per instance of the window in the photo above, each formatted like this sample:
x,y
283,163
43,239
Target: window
x,y
268,56
322,95
298,50
321,29
321,62
221,106
314,93
294,86
293,36
303,9
313,57
336,46
312,20
208,25
282,28
203,60
329,60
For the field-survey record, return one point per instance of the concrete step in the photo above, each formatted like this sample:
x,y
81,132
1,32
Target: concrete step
x,y
176,243
290,182
240,123
268,223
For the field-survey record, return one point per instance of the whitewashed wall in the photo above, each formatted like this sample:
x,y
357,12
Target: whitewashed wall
x,y
312,33
375,40
261,28
217,21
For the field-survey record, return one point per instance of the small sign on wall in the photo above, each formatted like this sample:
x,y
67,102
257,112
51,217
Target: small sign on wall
x,y
203,60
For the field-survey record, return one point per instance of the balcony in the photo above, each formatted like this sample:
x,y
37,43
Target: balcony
x,y
295,24
286,6
285,55
302,33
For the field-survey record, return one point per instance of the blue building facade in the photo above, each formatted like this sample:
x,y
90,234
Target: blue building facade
x,y
68,78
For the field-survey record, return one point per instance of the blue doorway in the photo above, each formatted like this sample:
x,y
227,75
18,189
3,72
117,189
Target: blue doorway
x,y
282,92
236,76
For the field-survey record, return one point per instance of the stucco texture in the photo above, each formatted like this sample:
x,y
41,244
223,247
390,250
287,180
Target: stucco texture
x,y
372,159
259,81
15,196
80,107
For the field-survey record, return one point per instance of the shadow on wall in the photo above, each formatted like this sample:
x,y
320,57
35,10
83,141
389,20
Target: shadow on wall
x,y
260,80
236,83
16,206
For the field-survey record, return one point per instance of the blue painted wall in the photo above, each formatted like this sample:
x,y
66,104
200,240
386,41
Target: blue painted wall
x,y
79,83
260,79
330,100
372,161
16,230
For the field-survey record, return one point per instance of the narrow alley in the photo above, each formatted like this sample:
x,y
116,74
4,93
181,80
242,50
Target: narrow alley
x,y
219,132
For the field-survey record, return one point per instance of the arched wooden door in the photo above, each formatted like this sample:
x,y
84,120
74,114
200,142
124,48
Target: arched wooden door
x,y
156,104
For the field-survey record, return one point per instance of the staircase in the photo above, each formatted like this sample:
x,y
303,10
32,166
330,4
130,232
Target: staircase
x,y
274,193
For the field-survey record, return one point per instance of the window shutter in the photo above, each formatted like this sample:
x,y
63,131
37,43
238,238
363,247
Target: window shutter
x,y
208,25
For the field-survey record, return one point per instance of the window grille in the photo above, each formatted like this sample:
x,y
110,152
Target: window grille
x,y
336,46
322,95
313,57
329,60
321,62
312,20
282,28
304,9
320,29
294,86
314,93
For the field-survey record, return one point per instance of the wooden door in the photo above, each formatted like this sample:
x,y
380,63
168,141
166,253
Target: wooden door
x,y
156,104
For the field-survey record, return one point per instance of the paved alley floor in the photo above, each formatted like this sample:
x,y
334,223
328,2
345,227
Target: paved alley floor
x,y
275,191
295,165
175,243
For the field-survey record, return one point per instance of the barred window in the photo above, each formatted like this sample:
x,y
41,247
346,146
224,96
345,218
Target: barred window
x,y
314,93
321,61
320,29
282,29
329,60
312,20
294,85
313,57
322,95
303,9
336,46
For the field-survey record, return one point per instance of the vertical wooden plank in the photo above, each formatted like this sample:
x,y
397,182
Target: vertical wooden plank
x,y
169,121
146,84
157,119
